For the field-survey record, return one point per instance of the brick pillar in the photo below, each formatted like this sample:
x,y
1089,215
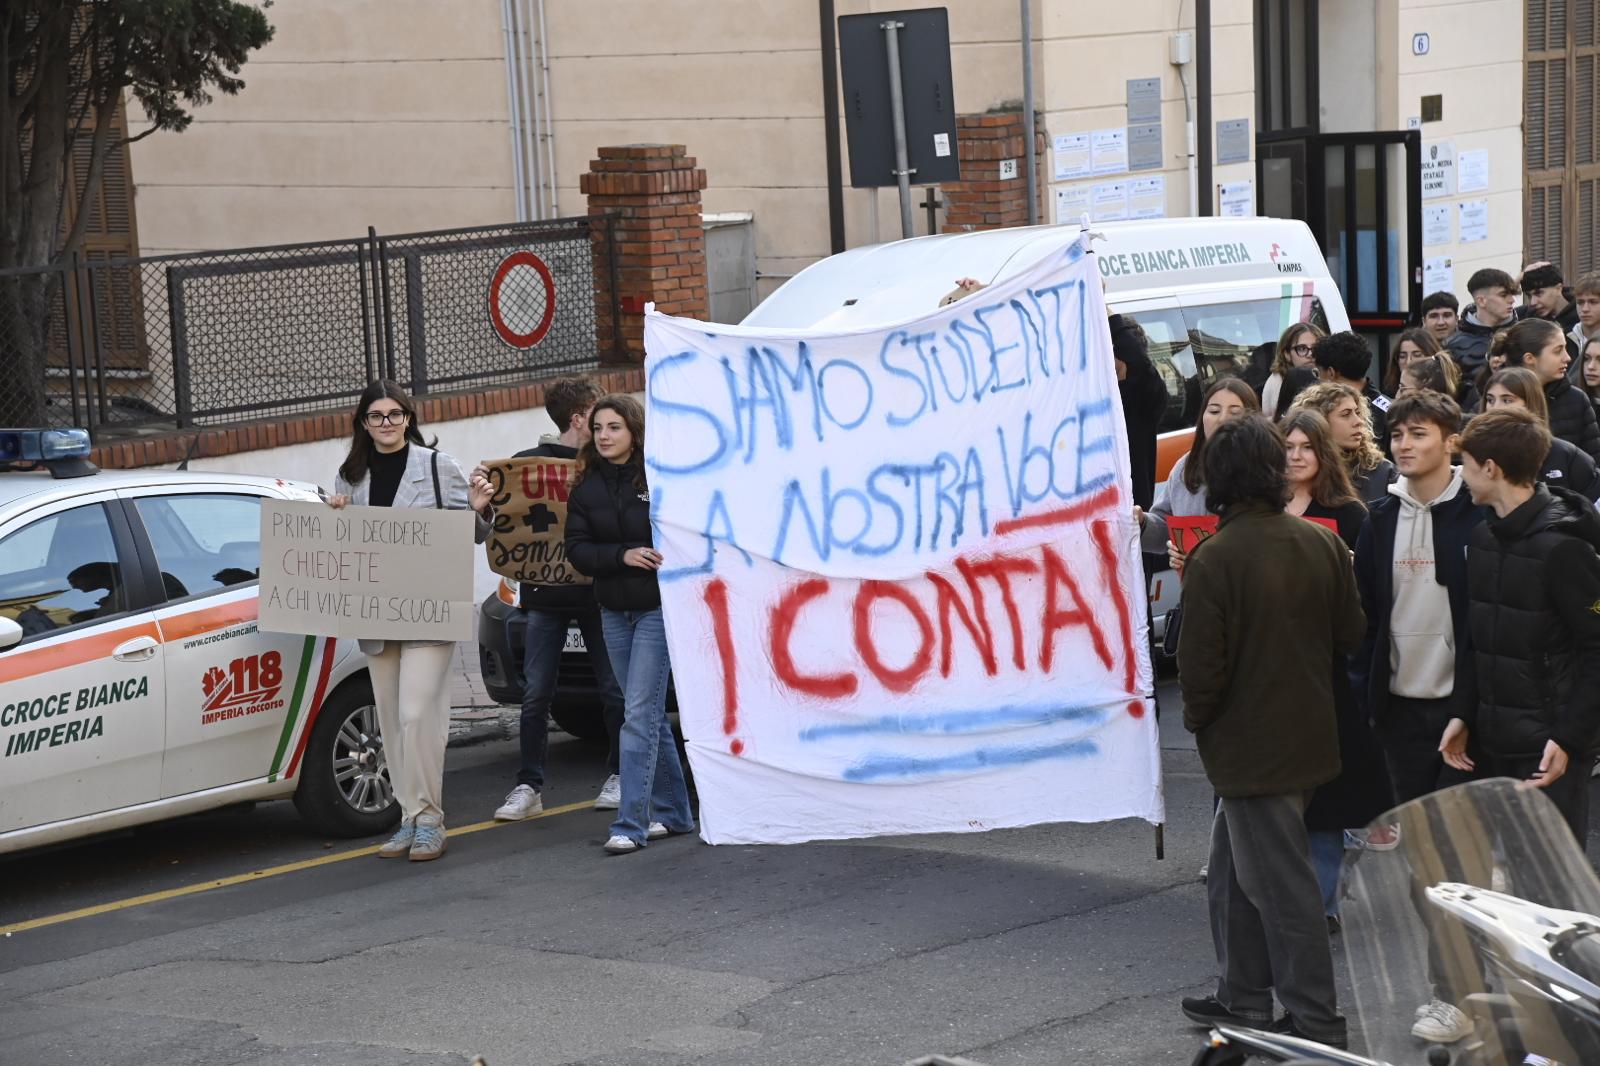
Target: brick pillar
x,y
985,200
654,192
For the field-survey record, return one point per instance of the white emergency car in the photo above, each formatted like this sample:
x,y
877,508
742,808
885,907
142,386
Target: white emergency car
x,y
134,685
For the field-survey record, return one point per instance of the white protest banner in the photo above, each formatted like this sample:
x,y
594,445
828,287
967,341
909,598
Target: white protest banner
x,y
901,585
374,573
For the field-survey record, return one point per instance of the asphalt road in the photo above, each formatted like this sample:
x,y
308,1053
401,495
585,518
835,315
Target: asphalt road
x,y
527,945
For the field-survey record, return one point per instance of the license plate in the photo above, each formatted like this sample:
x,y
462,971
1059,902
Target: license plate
x,y
574,641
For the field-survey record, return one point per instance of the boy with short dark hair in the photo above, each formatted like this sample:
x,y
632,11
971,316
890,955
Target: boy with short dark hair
x,y
1494,294
1545,295
1531,684
1440,312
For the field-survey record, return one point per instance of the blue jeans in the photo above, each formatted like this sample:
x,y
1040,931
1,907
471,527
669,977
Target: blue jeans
x,y
1327,854
544,635
652,778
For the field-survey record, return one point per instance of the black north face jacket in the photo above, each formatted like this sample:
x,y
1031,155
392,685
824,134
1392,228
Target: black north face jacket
x,y
1531,668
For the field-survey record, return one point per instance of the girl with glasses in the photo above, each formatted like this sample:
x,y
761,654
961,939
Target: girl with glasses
x,y
1294,351
390,465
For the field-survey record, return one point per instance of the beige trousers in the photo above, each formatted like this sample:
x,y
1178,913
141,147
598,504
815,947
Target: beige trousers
x,y
409,687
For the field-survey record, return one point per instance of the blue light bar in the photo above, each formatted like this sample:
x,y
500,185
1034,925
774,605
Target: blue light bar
x,y
43,445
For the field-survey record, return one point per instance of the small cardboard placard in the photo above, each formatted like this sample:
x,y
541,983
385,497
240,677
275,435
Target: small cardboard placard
x,y
370,573
528,542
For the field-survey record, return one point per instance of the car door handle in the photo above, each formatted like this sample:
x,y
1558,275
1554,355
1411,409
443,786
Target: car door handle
x,y
136,650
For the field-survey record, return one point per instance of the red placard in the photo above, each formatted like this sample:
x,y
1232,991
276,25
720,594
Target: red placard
x,y
1188,530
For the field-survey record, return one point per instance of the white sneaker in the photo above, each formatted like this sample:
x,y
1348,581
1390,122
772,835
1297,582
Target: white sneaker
x,y
1442,1023
521,802
610,797
655,832
620,845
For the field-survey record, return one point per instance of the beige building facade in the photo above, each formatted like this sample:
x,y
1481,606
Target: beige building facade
x,y
407,115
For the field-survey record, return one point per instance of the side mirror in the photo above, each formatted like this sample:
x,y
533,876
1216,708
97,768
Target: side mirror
x,y
10,633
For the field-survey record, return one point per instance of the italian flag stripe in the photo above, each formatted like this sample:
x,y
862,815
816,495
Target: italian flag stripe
x,y
316,705
294,706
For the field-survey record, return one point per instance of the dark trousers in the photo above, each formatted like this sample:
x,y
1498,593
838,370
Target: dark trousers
x,y
1409,734
1569,792
1266,915
544,635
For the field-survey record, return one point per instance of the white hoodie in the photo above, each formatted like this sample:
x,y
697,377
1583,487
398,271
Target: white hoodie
x,y
1422,641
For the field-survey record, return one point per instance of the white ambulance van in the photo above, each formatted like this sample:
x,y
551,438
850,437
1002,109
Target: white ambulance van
x,y
134,685
1207,291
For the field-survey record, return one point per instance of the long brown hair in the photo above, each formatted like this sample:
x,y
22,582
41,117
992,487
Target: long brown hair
x,y
354,467
1527,337
1325,398
1583,386
632,415
1436,373
1425,343
1281,360
1331,487
1522,383
1194,472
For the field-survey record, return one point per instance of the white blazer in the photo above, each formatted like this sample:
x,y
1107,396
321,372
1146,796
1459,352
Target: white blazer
x,y
416,489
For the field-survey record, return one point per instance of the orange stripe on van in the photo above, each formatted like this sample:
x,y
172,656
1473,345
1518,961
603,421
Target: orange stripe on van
x,y
183,626
35,661
1169,449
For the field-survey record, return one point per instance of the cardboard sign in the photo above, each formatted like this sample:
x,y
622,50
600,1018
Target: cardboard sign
x,y
372,573
902,584
530,503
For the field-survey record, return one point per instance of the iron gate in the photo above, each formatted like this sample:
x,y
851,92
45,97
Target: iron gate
x,y
163,343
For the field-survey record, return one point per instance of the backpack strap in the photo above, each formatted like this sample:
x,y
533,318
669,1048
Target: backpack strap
x,y
438,497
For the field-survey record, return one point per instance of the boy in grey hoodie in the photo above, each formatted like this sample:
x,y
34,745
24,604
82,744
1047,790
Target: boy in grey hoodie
x,y
1411,571
1412,574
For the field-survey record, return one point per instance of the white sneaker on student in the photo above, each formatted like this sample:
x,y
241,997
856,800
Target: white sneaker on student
x,y
655,832
1442,1023
610,797
521,802
620,845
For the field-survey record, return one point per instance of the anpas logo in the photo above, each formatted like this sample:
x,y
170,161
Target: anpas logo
x,y
1283,265
250,685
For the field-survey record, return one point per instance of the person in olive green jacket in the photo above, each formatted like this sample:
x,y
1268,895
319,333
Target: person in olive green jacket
x,y
1267,602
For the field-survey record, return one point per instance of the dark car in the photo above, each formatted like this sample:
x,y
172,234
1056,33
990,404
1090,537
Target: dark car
x,y
576,707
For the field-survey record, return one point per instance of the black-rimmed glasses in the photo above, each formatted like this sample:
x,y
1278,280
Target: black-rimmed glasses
x,y
391,418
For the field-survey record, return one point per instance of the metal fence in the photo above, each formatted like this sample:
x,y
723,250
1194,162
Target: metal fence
x,y
160,343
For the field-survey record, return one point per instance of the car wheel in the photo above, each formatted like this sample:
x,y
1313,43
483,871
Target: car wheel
x,y
344,783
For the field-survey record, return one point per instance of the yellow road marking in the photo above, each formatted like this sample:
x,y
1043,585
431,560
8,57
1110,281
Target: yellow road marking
x,y
255,875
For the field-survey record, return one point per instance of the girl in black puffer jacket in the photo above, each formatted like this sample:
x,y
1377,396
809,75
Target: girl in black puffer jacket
x,y
1538,345
608,537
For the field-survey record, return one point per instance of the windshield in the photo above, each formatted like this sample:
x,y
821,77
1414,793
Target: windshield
x,y
1486,904
1194,346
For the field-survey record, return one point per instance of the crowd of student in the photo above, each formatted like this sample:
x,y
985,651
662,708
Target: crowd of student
x,y
1440,619
1449,628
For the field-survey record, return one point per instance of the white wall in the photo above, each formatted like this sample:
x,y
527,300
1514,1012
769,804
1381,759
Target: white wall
x,y
1347,64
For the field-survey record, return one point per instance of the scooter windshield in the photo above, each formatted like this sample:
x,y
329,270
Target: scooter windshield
x,y
1487,905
